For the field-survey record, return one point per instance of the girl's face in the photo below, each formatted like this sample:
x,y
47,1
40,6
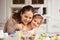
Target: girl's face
x,y
26,17
36,22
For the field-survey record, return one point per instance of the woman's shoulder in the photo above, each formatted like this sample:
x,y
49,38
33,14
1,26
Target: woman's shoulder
x,y
11,19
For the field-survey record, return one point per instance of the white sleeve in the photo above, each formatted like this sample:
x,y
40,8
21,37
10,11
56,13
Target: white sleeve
x,y
33,31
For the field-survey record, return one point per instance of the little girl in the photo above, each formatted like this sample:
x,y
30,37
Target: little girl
x,y
35,23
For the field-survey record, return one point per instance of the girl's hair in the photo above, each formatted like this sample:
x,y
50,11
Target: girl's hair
x,y
17,16
37,15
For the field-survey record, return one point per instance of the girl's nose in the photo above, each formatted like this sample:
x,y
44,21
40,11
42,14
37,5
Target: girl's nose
x,y
36,24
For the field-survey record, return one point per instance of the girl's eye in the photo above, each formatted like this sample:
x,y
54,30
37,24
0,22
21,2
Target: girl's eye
x,y
30,17
34,20
38,23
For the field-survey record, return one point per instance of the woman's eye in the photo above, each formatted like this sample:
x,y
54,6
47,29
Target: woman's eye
x,y
25,16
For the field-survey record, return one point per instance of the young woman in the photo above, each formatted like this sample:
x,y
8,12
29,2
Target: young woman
x,y
23,17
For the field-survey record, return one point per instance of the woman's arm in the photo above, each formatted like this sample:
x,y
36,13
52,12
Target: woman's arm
x,y
5,27
10,26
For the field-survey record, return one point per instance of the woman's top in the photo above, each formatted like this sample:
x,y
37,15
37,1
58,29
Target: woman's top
x,y
33,31
10,26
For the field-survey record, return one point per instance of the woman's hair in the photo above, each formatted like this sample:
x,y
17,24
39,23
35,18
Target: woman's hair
x,y
17,16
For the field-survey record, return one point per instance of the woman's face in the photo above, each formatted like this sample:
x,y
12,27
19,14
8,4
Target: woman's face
x,y
26,17
36,22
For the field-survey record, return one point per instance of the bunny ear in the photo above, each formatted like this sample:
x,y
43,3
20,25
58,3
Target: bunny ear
x,y
40,11
35,13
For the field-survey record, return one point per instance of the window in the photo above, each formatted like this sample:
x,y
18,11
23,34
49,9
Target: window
x,y
44,11
18,1
37,1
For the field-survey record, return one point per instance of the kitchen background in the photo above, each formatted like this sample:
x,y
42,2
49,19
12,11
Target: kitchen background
x,y
49,9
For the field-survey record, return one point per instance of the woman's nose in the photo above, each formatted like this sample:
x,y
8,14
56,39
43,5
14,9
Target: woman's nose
x,y
27,20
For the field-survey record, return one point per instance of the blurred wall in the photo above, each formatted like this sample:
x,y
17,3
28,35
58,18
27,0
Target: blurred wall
x,y
2,13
